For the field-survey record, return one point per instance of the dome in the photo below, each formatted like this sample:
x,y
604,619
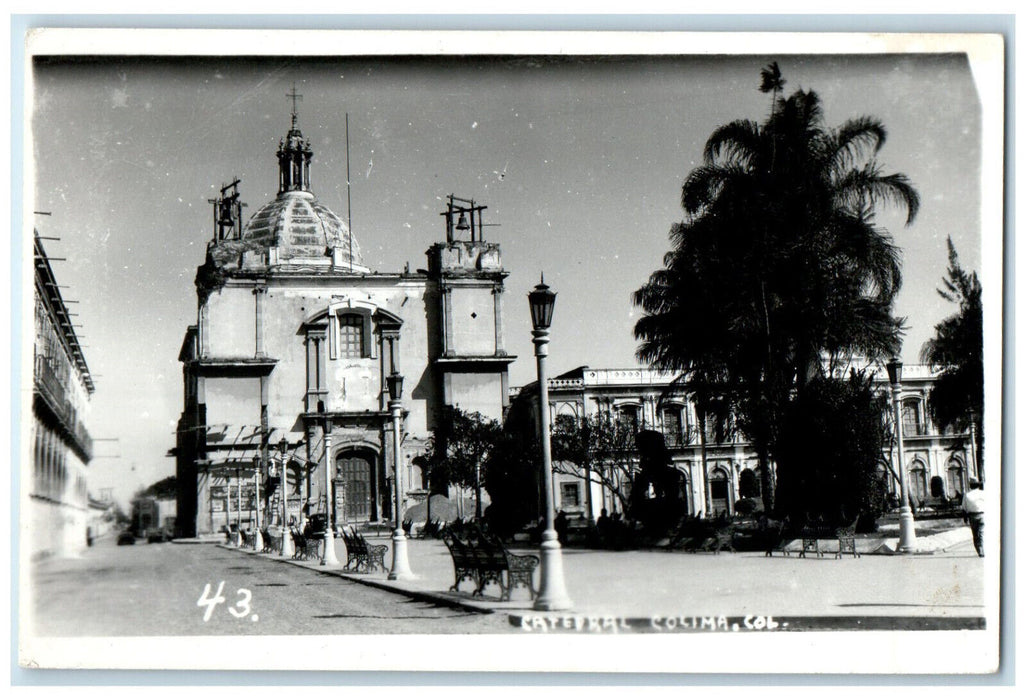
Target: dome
x,y
292,229
302,227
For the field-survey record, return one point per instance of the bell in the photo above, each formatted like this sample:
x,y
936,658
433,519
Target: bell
x,y
462,224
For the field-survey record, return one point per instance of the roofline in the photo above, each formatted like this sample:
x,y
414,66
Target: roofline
x,y
52,294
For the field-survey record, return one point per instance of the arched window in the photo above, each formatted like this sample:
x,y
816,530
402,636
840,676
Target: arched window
x,y
748,484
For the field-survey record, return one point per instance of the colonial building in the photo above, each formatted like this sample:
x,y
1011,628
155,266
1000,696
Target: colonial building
x,y
56,517
939,463
294,340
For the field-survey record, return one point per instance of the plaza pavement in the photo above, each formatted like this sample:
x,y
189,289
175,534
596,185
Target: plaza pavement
x,y
943,580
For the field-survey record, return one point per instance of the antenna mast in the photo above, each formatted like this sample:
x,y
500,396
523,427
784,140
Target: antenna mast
x,y
349,197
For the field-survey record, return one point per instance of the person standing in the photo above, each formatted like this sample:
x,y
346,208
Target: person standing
x,y
972,506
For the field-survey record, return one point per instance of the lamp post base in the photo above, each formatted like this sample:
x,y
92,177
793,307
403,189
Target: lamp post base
x,y
258,541
287,550
328,557
906,531
552,593
400,558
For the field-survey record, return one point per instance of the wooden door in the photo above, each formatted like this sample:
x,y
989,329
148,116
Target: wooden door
x,y
356,472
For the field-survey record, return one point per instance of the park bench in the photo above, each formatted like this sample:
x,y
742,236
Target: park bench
x,y
270,543
485,560
361,554
697,534
812,533
306,547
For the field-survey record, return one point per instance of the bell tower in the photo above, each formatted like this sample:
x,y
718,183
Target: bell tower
x,y
469,353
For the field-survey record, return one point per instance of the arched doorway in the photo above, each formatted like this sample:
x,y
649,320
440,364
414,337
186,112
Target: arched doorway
x,y
719,490
355,472
956,478
685,490
917,482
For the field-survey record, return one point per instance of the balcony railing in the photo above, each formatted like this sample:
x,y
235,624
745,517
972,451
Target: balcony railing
x,y
49,385
56,397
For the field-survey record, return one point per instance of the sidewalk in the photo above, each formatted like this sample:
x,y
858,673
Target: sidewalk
x,y
644,583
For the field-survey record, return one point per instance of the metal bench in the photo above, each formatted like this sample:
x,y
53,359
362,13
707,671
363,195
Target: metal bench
x,y
362,555
845,536
271,544
485,560
306,547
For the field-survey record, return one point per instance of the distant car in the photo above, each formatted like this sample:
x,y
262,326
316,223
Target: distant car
x,y
318,524
126,537
158,535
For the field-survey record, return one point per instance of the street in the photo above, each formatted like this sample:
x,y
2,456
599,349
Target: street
x,y
153,589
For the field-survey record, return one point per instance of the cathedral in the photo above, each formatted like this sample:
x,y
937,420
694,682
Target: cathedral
x,y
298,347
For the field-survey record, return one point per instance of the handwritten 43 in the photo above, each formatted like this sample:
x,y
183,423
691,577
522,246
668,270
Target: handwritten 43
x,y
240,610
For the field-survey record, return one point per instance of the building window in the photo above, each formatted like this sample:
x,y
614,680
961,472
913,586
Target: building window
x,y
570,495
748,484
911,420
350,336
628,417
673,428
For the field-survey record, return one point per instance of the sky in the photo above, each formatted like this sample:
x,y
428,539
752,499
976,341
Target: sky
x,y
579,161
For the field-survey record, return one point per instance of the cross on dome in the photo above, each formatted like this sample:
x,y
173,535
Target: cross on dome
x,y
295,97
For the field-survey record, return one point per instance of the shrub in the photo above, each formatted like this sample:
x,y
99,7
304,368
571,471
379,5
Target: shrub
x,y
746,507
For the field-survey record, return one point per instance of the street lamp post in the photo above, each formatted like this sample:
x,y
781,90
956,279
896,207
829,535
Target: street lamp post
x,y
238,506
552,593
258,538
977,467
328,556
400,557
286,542
906,525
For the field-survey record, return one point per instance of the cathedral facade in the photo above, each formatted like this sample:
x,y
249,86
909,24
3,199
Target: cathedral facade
x,y
294,343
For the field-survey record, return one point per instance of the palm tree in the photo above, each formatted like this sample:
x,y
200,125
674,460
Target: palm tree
x,y
772,81
777,263
956,399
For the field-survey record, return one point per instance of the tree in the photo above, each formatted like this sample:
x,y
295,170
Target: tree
x,y
460,449
164,489
828,454
956,348
512,481
599,450
777,265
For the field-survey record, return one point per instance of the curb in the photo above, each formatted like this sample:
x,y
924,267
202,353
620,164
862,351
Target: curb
x,y
437,598
568,622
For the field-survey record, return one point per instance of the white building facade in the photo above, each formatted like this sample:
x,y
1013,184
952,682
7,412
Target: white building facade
x,y
56,515
939,464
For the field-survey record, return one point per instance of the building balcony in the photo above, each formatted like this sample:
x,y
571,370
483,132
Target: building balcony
x,y
51,391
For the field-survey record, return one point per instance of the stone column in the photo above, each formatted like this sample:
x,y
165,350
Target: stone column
x,y
258,294
447,320
497,300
